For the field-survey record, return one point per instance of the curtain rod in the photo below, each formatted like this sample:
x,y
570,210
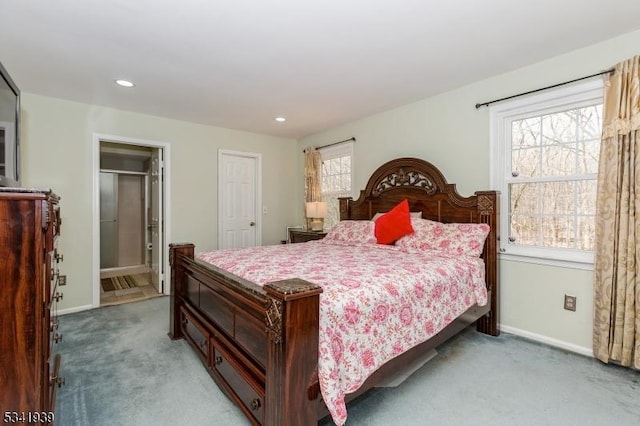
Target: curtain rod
x,y
332,144
609,71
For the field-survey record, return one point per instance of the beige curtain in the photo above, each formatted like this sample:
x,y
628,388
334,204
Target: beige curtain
x,y
312,170
616,328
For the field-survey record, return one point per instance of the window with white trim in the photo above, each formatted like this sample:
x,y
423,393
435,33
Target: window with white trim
x,y
544,160
336,178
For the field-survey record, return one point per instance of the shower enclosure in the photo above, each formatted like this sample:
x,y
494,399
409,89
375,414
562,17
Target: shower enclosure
x,y
122,219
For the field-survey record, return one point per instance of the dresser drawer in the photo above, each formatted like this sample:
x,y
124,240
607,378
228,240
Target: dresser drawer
x,y
55,382
57,220
54,259
51,320
196,333
250,394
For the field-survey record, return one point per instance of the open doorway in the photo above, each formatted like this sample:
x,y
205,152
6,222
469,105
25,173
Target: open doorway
x,y
130,193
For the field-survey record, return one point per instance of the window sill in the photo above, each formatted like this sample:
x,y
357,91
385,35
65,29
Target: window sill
x,y
569,264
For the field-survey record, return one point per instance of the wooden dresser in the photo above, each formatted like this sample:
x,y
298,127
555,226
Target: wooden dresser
x,y
29,291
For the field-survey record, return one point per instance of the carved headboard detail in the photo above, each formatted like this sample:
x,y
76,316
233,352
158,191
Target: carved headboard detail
x,y
486,205
404,178
426,189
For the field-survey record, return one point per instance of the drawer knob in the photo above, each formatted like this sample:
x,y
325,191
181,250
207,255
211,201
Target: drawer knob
x,y
58,296
218,360
55,324
256,404
58,257
60,381
57,337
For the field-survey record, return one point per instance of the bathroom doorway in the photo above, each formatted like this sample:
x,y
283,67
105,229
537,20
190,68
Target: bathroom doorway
x,y
131,204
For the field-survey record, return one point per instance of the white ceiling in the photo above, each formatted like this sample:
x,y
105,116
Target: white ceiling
x,y
240,63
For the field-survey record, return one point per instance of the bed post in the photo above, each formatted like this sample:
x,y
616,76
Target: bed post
x,y
488,212
345,211
292,321
178,285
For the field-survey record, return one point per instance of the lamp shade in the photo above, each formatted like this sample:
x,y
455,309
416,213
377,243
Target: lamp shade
x,y
317,209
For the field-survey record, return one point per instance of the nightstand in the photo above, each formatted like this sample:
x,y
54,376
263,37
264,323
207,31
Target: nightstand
x,y
301,236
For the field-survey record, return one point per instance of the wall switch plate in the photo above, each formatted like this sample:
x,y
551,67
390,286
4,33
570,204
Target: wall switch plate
x,y
570,302
62,280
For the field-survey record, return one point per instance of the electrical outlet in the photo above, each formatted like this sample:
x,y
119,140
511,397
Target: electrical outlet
x,y
570,302
62,280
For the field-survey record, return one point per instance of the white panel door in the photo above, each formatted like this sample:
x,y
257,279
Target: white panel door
x,y
239,200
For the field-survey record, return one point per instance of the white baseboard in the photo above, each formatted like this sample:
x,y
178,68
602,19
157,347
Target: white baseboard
x,y
548,340
74,310
507,329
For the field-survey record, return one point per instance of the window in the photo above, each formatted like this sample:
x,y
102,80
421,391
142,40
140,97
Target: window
x,y
336,178
545,151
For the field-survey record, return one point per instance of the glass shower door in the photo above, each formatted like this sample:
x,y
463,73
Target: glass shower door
x,y
108,220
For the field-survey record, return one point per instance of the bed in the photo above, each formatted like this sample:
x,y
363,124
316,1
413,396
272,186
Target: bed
x,y
260,340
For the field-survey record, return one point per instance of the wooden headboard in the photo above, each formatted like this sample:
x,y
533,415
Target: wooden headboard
x,y
426,189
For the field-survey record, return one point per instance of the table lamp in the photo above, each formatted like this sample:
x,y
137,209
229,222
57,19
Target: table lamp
x,y
317,211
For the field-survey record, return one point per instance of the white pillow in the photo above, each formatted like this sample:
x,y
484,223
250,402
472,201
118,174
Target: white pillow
x,y
352,231
450,239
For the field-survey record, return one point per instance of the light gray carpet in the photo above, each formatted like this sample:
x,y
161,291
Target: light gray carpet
x,y
121,368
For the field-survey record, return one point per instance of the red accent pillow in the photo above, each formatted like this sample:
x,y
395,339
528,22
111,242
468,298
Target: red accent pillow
x,y
394,224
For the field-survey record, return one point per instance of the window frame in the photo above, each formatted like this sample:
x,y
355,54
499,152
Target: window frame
x,y
336,151
501,117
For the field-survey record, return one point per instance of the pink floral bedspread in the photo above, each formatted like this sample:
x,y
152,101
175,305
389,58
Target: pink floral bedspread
x,y
377,301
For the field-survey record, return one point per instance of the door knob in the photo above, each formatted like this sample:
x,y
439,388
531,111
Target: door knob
x,y
252,224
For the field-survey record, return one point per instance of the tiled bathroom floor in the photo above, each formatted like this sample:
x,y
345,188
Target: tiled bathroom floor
x,y
116,297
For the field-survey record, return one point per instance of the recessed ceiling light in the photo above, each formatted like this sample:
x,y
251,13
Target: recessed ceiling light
x,y
281,119
125,83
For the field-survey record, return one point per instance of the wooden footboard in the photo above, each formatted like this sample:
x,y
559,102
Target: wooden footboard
x,y
259,344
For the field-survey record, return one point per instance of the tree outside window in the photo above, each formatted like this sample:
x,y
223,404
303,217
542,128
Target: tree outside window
x,y
545,152
336,178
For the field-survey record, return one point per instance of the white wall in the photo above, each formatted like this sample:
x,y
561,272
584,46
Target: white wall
x,y
56,153
448,131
